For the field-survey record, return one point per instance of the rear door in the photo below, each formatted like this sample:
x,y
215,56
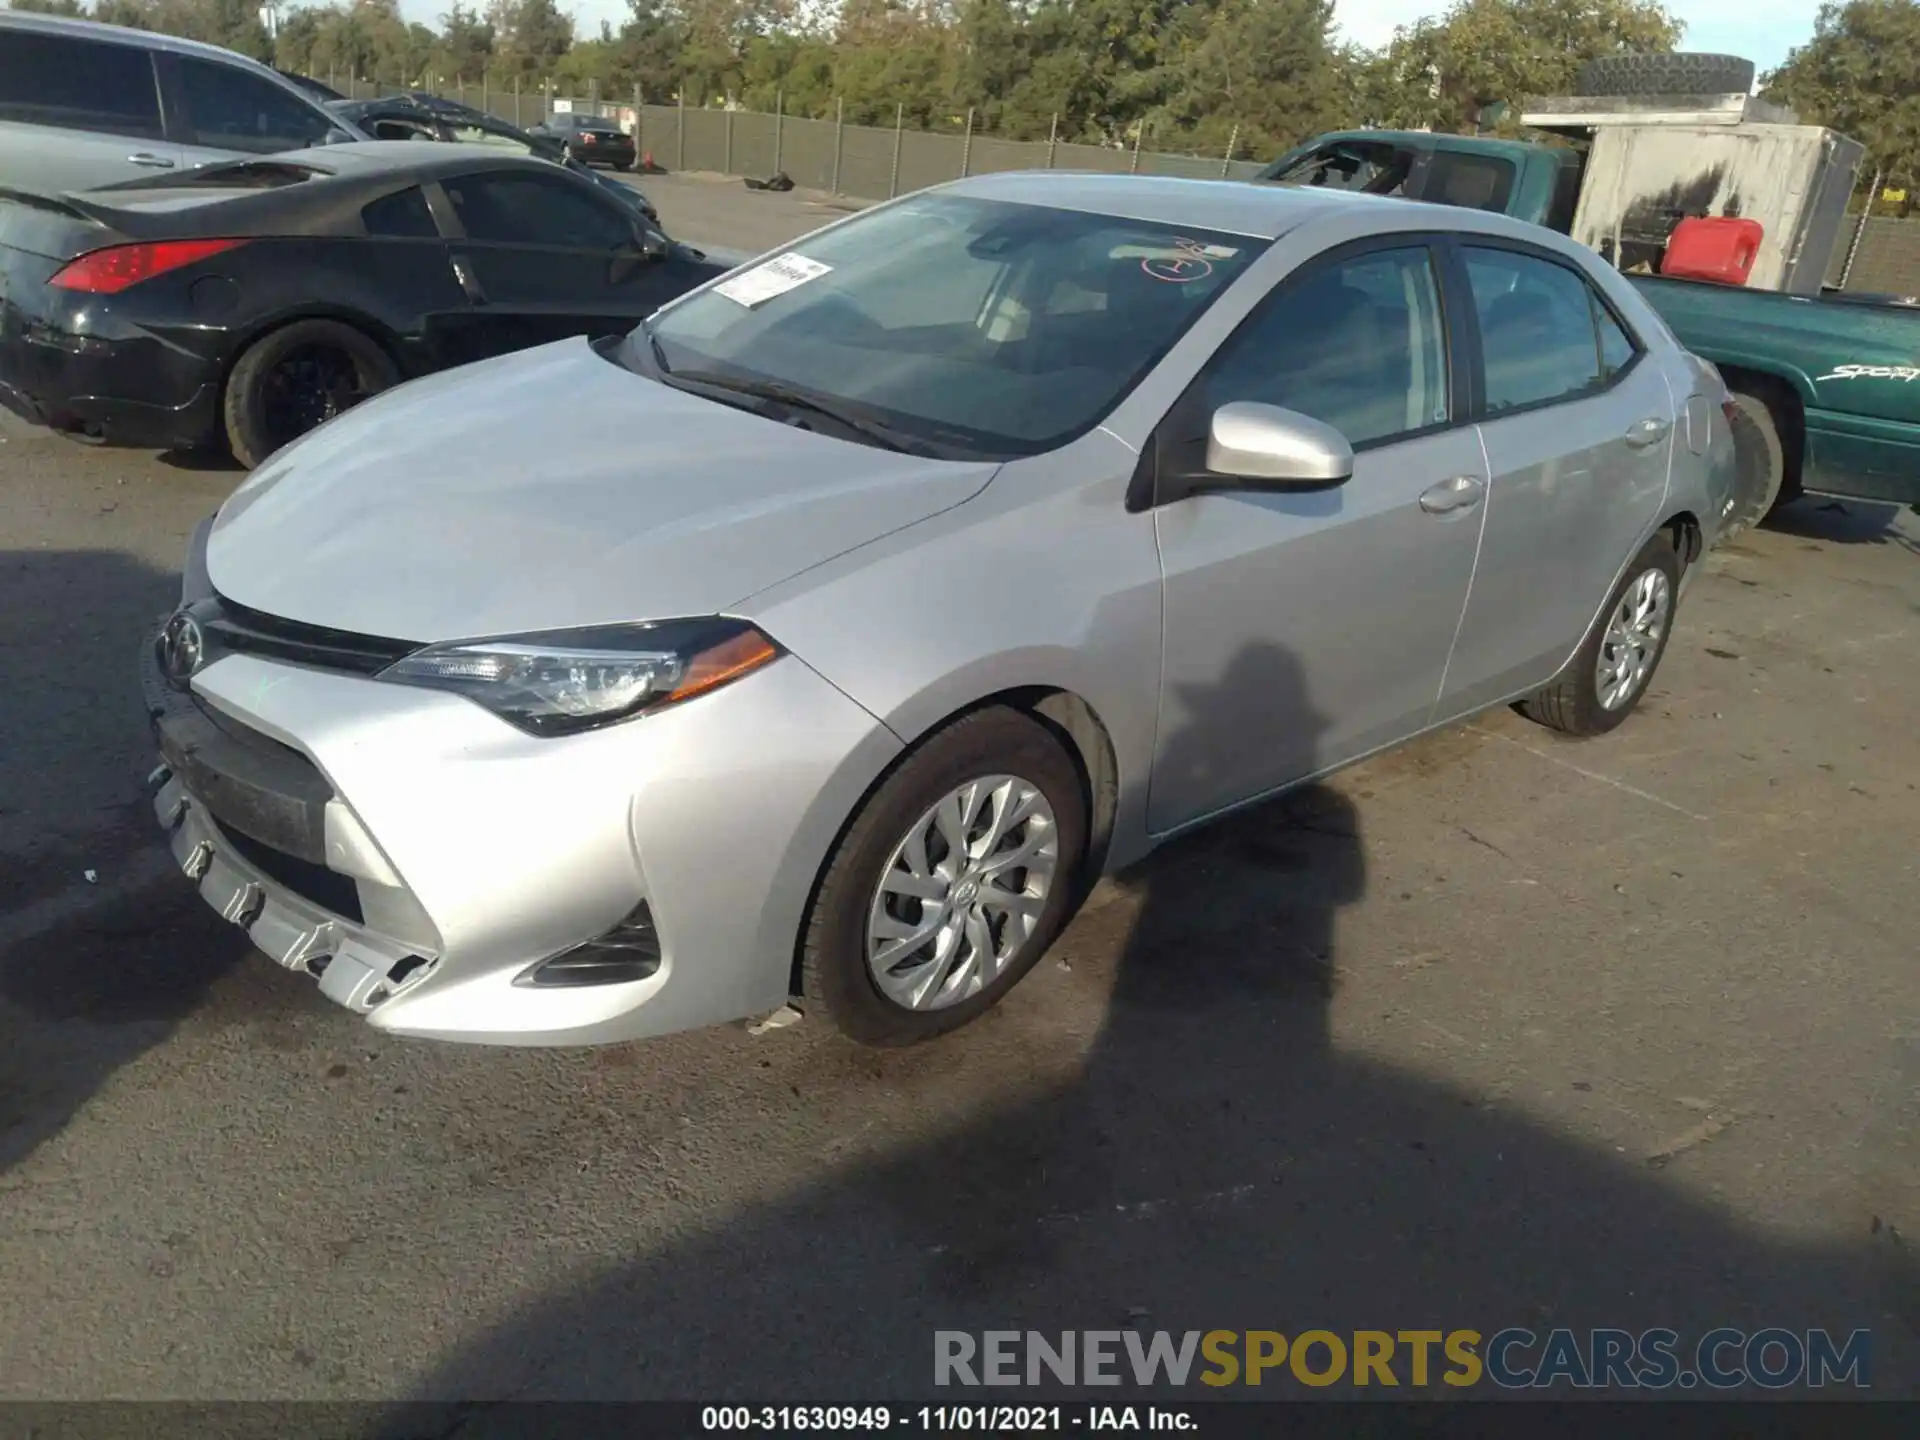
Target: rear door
x,y
430,313
219,110
78,113
544,256
1578,424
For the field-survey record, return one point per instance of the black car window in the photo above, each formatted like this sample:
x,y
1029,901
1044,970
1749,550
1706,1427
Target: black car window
x,y
392,129
78,84
1356,342
515,208
228,108
1617,350
1472,182
403,215
1536,329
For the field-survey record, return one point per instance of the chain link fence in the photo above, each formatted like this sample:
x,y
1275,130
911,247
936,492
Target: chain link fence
x,y
865,162
868,162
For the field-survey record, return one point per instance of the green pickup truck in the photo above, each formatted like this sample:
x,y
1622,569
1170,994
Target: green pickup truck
x,y
1829,381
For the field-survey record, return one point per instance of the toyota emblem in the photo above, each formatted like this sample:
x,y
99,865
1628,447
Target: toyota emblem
x,y
182,648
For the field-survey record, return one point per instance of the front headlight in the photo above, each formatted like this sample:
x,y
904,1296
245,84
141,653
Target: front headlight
x,y
560,682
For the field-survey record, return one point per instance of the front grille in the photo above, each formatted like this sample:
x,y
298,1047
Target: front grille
x,y
313,883
232,629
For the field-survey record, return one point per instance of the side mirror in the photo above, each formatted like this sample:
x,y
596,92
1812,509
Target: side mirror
x,y
1251,446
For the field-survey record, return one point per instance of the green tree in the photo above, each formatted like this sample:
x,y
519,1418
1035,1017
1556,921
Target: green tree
x,y
48,7
1440,73
1860,74
464,49
1267,69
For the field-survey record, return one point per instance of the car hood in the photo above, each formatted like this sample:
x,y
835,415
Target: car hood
x,y
550,489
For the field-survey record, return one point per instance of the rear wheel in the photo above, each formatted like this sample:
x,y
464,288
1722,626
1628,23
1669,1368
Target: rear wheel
x,y
296,378
950,883
1615,663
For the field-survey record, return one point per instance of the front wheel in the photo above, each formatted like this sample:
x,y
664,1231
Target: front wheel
x,y
955,876
296,378
1615,663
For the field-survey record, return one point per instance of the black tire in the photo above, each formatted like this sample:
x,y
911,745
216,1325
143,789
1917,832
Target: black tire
x,y
267,405
1681,74
833,961
1760,455
623,166
1571,704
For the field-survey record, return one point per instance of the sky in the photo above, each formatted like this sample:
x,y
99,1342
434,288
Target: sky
x,y
1761,30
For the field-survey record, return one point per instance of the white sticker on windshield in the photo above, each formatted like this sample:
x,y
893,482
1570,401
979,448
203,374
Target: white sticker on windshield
x,y
776,277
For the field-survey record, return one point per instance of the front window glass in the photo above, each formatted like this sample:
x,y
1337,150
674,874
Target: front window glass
x,y
1368,167
984,327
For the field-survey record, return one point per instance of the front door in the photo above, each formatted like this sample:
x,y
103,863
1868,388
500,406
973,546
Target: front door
x,y
544,257
1305,629
1579,433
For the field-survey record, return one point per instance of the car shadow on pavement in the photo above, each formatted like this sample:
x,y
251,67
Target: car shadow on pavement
x,y
104,948
1219,1160
1845,522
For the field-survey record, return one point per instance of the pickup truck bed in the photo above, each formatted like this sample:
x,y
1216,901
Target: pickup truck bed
x,y
1841,375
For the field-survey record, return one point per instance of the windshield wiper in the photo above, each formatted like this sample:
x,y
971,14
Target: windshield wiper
x,y
870,430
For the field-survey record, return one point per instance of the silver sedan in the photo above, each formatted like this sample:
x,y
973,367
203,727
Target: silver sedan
x,y
824,639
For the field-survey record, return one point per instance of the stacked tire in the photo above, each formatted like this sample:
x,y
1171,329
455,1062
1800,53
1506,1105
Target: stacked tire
x,y
1691,73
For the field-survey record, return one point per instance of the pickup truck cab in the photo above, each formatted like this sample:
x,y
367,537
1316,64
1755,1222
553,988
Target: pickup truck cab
x,y
1828,383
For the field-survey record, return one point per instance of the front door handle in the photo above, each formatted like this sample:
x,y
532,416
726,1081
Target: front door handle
x,y
1650,431
150,160
469,282
1462,492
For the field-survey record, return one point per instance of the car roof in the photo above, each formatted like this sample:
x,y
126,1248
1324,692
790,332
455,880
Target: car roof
x,y
122,35
343,178
1238,207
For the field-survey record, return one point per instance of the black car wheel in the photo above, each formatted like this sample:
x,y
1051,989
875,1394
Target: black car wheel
x,y
296,378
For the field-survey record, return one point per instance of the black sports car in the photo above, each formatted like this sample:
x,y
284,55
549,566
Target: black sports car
x,y
249,302
410,117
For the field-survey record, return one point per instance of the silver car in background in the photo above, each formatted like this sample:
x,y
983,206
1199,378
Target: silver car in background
x,y
84,105
826,637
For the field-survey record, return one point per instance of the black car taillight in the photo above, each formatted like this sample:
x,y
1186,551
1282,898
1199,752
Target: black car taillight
x,y
120,267
629,951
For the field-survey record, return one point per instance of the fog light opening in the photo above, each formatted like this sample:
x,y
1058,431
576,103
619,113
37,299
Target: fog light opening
x,y
401,969
628,952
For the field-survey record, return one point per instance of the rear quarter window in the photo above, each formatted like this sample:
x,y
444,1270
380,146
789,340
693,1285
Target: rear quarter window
x,y
75,84
402,215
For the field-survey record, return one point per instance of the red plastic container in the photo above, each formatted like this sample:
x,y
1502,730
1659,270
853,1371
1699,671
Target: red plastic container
x,y
1713,248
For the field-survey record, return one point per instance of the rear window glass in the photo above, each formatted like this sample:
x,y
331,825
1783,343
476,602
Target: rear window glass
x,y
78,84
403,214
1472,182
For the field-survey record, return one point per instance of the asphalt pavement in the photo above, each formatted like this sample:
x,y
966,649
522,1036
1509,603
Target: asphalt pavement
x,y
1497,1030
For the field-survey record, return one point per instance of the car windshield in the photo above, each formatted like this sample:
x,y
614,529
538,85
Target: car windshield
x,y
978,327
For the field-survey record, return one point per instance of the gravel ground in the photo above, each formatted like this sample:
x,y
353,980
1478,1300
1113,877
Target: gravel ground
x,y
1497,1030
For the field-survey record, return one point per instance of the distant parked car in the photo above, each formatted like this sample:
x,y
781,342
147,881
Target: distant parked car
x,y
83,105
838,627
403,117
590,139
252,301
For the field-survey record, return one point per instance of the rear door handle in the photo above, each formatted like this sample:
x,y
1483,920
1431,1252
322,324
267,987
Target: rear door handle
x,y
150,160
469,282
1650,431
1462,492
